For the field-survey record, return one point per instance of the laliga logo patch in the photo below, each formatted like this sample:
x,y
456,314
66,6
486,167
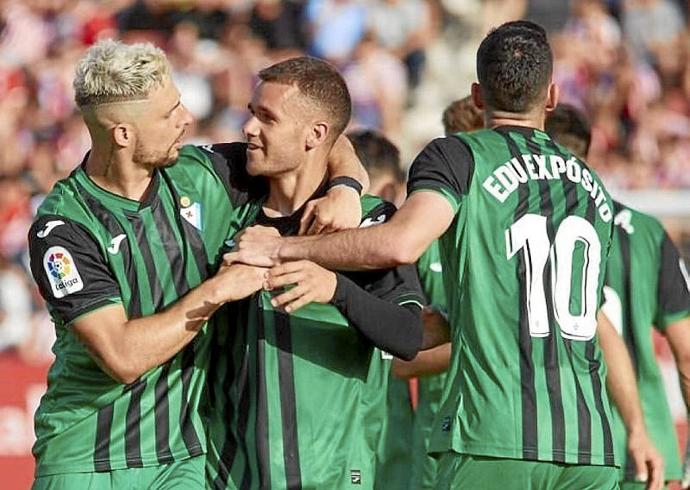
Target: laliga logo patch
x,y
62,273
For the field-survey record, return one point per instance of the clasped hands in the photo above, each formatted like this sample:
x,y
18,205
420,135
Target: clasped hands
x,y
297,283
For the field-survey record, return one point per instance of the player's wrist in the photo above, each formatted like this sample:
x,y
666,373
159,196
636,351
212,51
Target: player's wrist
x,y
341,183
214,291
637,432
291,248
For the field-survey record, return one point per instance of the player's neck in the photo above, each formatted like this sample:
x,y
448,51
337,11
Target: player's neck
x,y
289,191
117,173
534,119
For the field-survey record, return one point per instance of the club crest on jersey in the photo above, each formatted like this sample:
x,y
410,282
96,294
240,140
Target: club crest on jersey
x,y
356,477
192,214
62,272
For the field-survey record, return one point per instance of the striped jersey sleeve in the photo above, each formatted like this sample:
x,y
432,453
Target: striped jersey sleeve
x,y
673,293
69,269
445,165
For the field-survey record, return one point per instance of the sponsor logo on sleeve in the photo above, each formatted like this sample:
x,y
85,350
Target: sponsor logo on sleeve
x,y
50,225
684,272
373,222
62,272
436,267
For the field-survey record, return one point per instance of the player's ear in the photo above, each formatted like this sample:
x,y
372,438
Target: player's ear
x,y
318,134
123,135
552,97
476,92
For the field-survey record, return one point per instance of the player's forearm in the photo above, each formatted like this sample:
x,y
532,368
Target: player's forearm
x,y
678,336
425,363
683,367
392,328
376,247
150,341
620,377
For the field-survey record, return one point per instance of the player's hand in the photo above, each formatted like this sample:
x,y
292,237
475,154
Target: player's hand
x,y
436,328
338,210
312,283
237,281
649,465
256,245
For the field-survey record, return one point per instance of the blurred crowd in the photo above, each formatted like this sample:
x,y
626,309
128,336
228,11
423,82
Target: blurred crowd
x,y
625,62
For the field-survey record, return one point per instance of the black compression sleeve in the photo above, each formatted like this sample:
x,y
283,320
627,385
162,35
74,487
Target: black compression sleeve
x,y
390,327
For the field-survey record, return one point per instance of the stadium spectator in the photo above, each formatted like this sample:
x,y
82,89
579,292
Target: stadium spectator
x,y
334,28
404,27
278,23
378,85
15,306
651,26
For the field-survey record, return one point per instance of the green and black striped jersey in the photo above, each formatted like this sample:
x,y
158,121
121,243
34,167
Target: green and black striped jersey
x,y
298,410
645,289
429,388
523,265
91,248
390,423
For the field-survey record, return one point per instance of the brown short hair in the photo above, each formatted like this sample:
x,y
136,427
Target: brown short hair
x,y
570,128
320,82
462,115
514,66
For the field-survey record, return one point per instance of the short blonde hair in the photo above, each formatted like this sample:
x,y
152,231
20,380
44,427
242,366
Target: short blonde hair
x,y
112,71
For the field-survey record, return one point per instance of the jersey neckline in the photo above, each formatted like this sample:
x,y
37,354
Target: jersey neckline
x,y
115,200
524,130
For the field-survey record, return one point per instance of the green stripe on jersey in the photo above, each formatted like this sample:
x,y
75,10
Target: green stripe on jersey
x,y
523,266
294,404
86,421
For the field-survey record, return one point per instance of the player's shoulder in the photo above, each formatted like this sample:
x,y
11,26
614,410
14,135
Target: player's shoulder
x,y
193,155
453,143
65,200
634,221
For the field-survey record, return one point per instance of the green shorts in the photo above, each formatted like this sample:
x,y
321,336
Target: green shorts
x,y
181,475
465,471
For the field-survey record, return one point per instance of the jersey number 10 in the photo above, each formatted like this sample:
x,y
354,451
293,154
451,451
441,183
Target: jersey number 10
x,y
529,235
